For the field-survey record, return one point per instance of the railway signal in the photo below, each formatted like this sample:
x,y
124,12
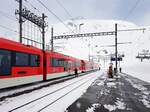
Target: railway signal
x,y
118,59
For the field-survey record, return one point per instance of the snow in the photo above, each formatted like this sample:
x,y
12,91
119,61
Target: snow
x,y
100,83
93,107
118,105
7,93
146,103
110,107
111,84
63,103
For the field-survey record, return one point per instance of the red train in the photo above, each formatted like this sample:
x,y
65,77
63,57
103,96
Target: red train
x,y
22,64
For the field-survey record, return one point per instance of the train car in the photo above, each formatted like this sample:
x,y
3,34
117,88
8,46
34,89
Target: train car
x,y
19,64
88,66
75,65
56,65
60,65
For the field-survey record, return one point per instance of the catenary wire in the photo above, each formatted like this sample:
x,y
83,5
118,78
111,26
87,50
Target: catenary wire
x,y
132,9
53,14
61,5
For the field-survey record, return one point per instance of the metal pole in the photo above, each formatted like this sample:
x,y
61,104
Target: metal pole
x,y
43,32
89,52
116,51
52,40
43,47
20,20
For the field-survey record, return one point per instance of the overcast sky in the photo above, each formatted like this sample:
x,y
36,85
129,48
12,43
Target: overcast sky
x,y
136,11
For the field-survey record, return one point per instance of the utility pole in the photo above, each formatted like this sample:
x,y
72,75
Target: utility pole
x,y
52,42
20,20
43,32
43,46
116,51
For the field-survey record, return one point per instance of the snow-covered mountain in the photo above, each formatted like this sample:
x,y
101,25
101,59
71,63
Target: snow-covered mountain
x,y
82,47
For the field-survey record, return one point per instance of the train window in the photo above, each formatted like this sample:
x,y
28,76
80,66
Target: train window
x,y
55,62
34,60
61,62
5,62
65,63
77,64
66,67
22,59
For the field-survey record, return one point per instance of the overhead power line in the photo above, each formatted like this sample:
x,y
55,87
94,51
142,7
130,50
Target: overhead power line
x,y
8,16
4,27
53,14
132,9
67,12
120,43
33,6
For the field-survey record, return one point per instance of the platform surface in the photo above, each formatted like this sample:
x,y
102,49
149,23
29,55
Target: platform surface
x,y
120,94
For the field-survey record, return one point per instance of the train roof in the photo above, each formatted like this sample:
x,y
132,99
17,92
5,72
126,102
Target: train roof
x,y
60,55
16,46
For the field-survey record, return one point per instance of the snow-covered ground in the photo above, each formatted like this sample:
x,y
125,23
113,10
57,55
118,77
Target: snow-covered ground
x,y
62,102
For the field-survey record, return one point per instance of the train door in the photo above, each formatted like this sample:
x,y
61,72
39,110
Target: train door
x,y
5,62
69,67
82,66
66,68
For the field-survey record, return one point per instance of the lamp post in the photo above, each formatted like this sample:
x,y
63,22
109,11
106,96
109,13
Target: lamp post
x,y
116,50
81,24
89,51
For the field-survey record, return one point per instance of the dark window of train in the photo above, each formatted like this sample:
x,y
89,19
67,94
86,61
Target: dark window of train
x,y
51,61
22,59
34,60
55,62
78,64
61,62
5,62
65,64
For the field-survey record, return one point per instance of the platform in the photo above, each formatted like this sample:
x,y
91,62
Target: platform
x,y
120,94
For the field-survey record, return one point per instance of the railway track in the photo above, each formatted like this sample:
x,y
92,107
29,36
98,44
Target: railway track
x,y
63,95
16,91
69,87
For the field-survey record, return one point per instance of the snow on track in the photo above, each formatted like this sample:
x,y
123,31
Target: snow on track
x,y
72,93
22,89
